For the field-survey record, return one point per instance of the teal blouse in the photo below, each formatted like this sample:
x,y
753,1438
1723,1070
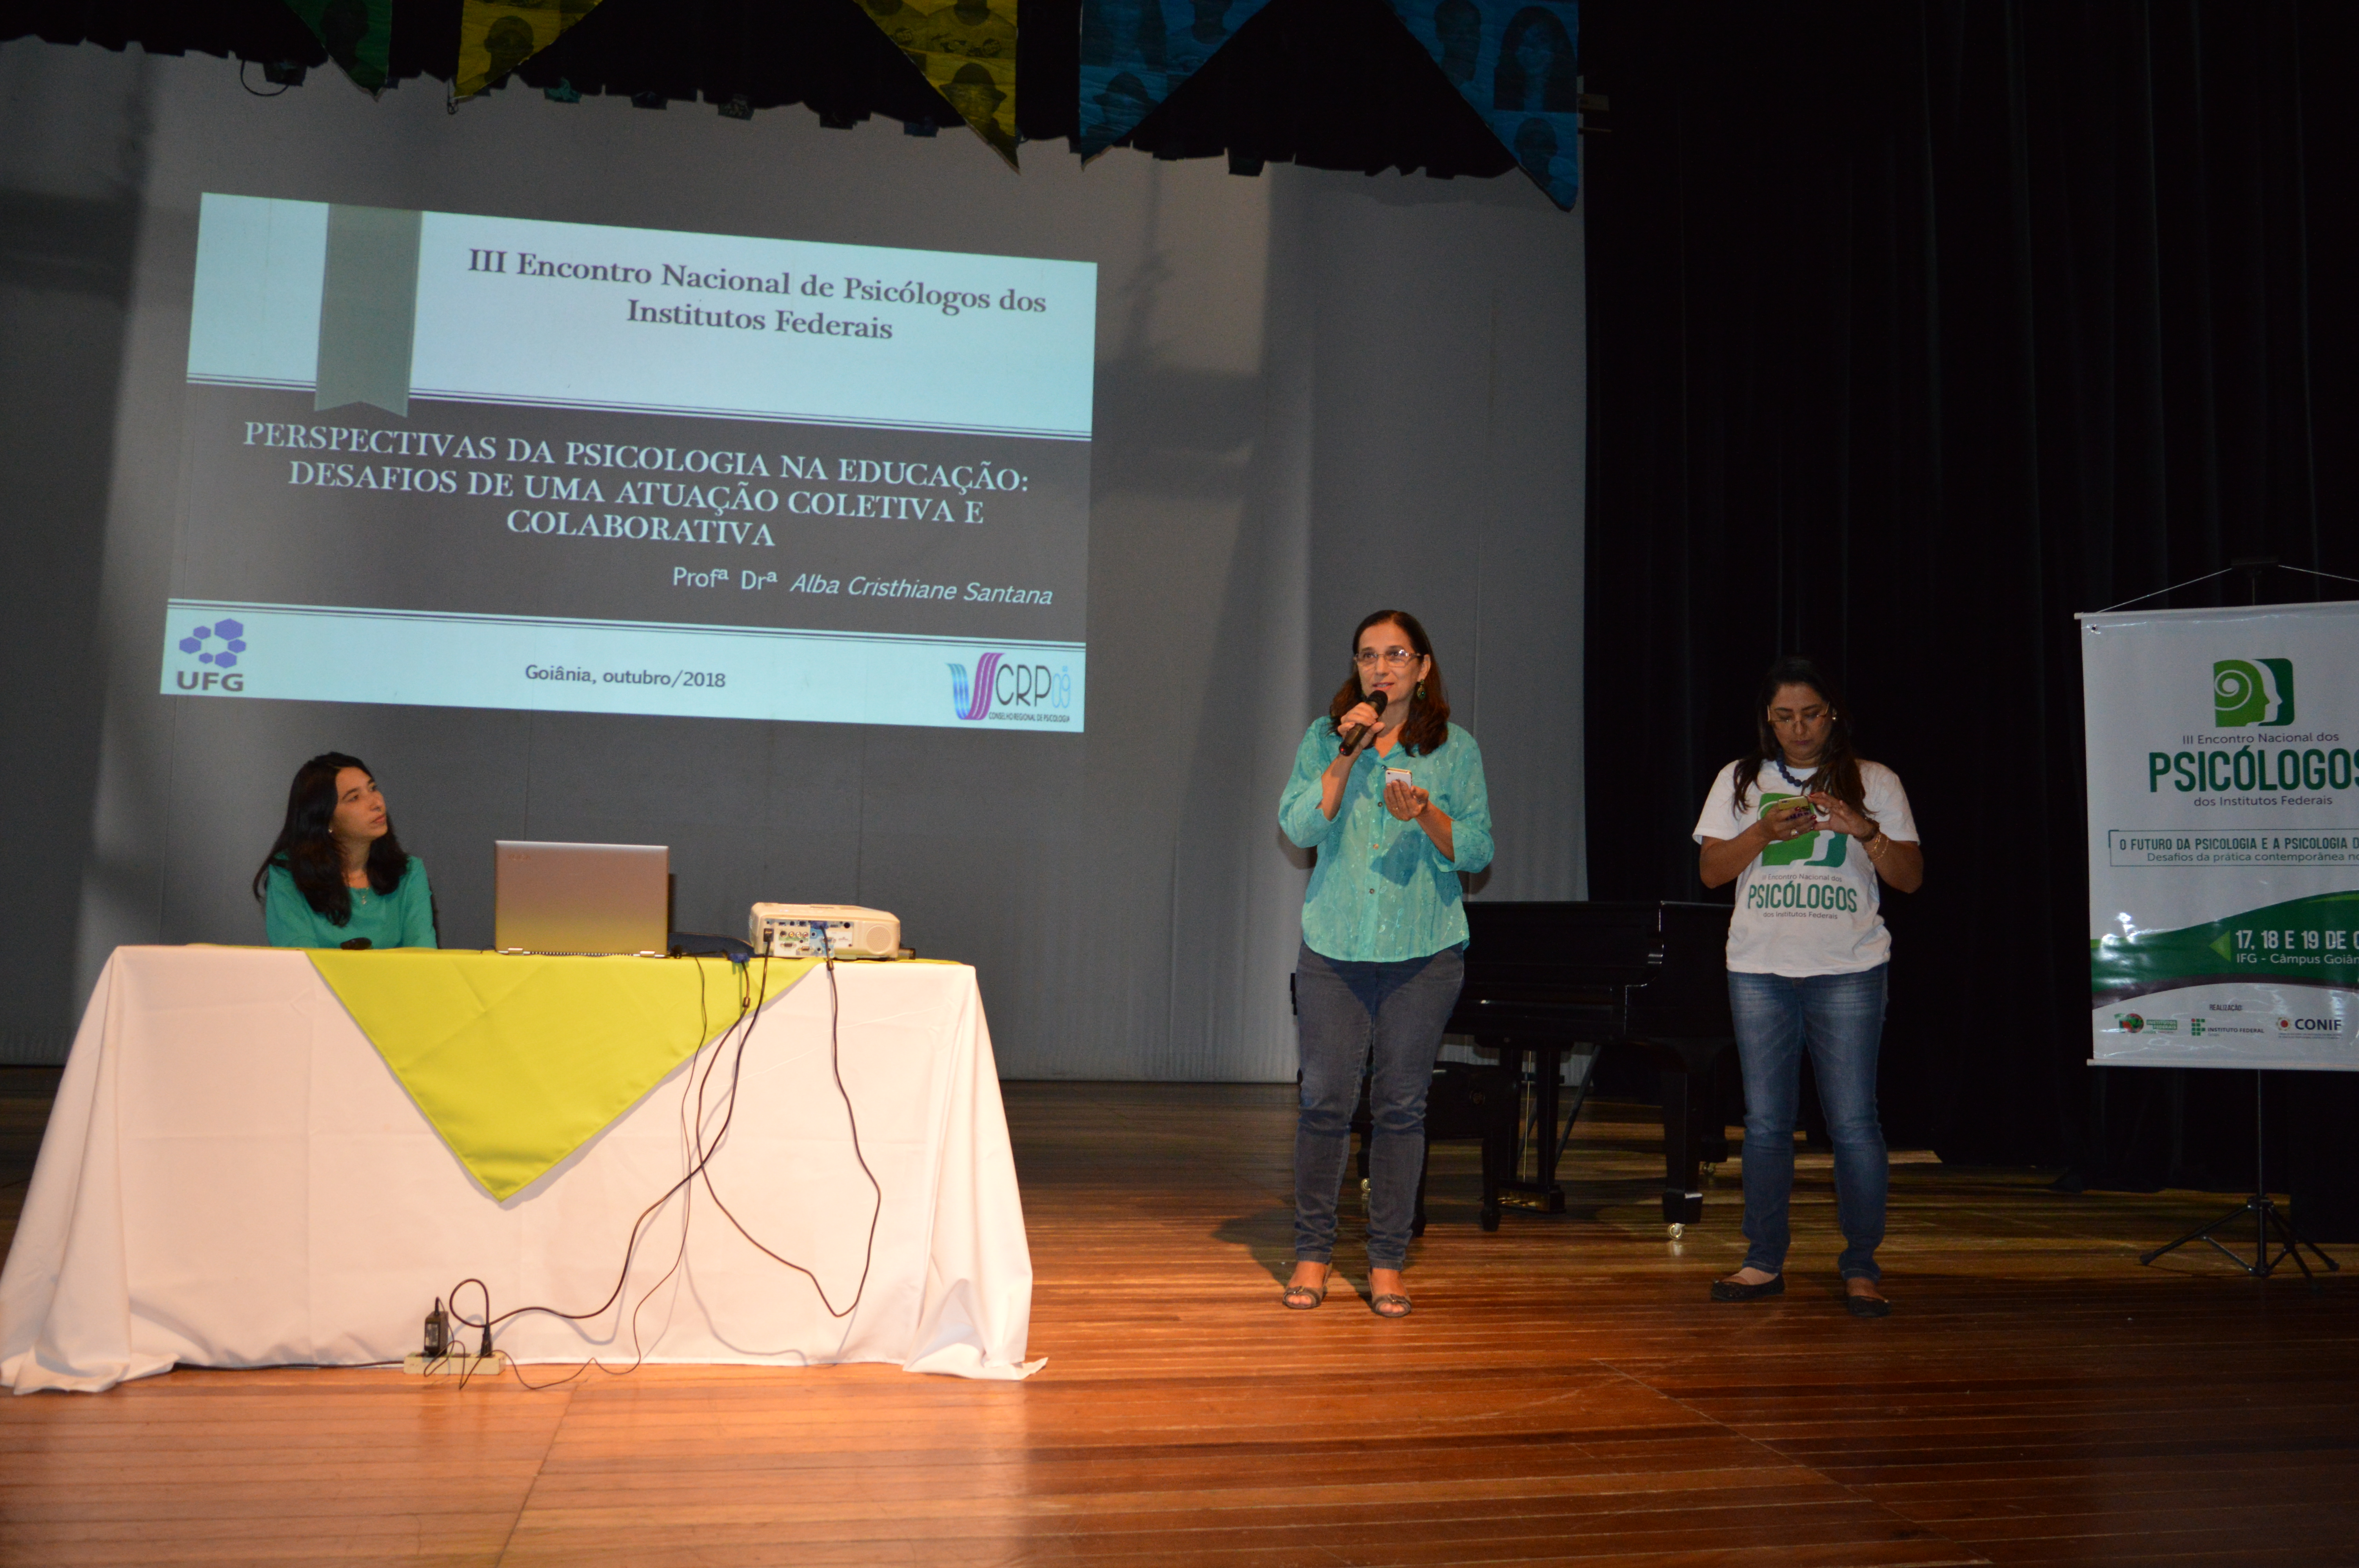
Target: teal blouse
x,y
402,918
1382,891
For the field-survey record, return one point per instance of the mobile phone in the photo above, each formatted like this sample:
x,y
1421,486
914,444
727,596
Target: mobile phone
x,y
1396,776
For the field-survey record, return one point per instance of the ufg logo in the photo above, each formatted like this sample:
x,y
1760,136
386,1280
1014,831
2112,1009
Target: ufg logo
x,y
2252,691
998,680
221,646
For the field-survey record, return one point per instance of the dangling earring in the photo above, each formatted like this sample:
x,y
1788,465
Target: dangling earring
x,y
1420,691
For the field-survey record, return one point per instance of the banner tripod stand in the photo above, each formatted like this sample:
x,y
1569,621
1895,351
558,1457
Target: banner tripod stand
x,y
2269,1226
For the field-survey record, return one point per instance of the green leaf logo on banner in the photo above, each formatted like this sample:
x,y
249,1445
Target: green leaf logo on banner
x,y
1135,53
2252,691
967,49
497,36
1518,63
357,35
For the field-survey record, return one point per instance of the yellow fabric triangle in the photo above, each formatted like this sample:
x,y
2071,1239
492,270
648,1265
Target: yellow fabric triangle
x,y
497,36
518,1061
967,49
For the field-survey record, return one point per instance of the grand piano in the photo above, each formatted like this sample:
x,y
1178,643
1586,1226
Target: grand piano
x,y
1544,980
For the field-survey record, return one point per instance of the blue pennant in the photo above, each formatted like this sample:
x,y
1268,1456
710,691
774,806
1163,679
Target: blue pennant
x,y
1518,63
1135,53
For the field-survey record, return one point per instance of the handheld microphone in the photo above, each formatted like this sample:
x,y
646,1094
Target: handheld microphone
x,y
1357,735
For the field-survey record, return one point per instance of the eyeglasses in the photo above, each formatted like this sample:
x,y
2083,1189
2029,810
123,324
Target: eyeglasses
x,y
1395,658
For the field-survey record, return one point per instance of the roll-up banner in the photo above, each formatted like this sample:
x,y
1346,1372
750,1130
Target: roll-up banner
x,y
2223,837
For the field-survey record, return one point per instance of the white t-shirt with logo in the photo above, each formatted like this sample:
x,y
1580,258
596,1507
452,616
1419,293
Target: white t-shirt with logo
x,y
1810,906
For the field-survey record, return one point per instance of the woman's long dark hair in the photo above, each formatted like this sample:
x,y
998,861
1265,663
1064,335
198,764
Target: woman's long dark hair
x,y
1428,719
306,844
1838,773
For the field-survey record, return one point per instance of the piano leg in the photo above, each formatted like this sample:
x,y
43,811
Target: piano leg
x,y
1548,1067
1682,1191
1498,1154
1540,1194
1709,1069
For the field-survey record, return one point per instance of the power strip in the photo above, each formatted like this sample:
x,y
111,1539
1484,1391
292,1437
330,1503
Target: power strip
x,y
454,1365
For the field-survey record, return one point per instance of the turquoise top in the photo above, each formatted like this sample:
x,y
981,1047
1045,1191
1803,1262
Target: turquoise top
x,y
1382,890
402,918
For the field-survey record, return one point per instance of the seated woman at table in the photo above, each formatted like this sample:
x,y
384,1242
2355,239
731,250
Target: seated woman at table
x,y
338,877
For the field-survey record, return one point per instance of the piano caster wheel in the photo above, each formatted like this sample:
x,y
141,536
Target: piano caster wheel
x,y
1676,1230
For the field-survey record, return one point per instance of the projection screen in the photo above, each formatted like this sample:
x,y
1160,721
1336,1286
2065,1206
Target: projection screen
x,y
492,462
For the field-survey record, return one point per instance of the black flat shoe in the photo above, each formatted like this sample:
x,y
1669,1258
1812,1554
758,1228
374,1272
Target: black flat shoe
x,y
1867,1306
1731,1290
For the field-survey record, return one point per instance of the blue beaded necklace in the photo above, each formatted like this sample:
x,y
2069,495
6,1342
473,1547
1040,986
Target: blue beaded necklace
x,y
1800,786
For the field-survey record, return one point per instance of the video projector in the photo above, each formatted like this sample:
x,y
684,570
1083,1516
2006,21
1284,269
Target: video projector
x,y
815,930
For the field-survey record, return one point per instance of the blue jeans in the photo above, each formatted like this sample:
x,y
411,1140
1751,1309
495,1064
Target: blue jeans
x,y
1840,1019
1342,1009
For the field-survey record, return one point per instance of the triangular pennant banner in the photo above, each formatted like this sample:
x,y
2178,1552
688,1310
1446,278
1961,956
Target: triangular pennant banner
x,y
1135,53
1518,63
497,36
357,35
967,49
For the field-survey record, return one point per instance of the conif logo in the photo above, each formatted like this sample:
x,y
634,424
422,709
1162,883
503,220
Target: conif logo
x,y
2252,691
974,703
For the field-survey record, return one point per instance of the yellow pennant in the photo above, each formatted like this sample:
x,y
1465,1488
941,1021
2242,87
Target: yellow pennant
x,y
497,36
967,49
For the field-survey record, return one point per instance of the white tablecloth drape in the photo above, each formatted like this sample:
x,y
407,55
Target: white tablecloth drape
x,y
232,1177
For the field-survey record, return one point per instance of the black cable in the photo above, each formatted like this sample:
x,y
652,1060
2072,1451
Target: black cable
x,y
690,1146
750,998
835,1062
746,1012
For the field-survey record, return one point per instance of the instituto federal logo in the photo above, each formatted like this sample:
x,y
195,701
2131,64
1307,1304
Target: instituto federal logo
x,y
2252,691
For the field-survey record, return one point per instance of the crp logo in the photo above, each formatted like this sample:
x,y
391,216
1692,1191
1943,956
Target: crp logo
x,y
999,680
2252,691
973,704
221,646
2130,1022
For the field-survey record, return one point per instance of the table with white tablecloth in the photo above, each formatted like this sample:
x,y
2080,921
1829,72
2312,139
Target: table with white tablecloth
x,y
233,1177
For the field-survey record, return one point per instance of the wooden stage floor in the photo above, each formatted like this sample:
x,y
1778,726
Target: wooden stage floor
x,y
1565,1393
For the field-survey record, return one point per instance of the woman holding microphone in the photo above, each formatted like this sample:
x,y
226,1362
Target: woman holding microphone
x,y
1808,830
1390,794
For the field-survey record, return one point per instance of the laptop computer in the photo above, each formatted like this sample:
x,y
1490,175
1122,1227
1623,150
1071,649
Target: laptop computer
x,y
580,898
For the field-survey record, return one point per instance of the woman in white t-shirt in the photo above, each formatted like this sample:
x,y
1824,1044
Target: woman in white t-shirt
x,y
1808,830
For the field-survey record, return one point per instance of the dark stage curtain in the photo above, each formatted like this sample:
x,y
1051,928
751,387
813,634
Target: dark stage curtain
x,y
1914,329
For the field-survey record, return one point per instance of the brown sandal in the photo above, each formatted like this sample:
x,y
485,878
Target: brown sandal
x,y
1311,1296
1389,1305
